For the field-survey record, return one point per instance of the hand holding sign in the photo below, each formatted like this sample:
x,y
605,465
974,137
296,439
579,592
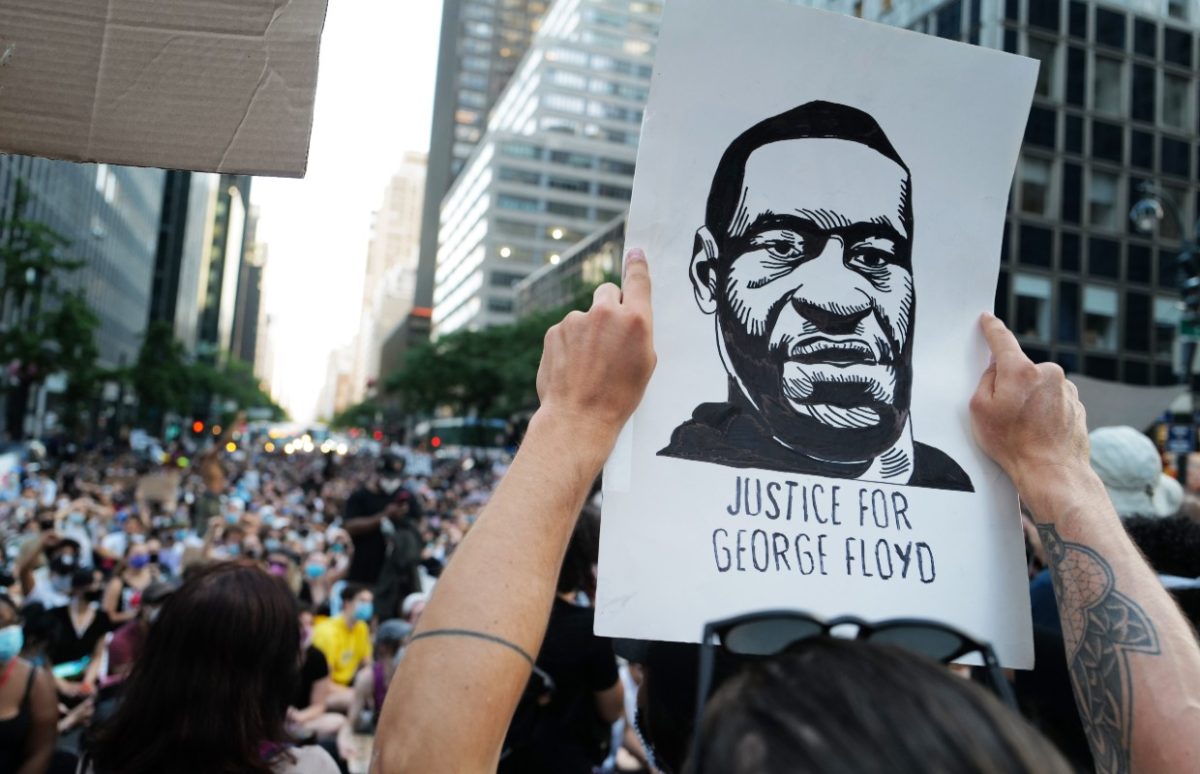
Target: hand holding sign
x,y
595,365
1026,416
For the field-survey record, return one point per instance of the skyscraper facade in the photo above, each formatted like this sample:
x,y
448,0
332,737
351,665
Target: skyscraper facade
x,y
110,218
389,286
557,159
221,265
1115,109
482,42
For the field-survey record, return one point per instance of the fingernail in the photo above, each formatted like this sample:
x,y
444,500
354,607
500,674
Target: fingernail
x,y
635,254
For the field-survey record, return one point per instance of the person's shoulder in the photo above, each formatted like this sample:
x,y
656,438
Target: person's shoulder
x,y
305,760
935,469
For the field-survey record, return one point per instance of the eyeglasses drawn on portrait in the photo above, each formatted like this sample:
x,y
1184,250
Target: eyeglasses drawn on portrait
x,y
805,264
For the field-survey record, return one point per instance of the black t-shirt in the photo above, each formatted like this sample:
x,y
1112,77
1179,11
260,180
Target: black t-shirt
x,y
369,549
65,644
568,736
314,669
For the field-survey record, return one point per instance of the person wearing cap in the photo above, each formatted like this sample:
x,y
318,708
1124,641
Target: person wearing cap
x,y
127,642
1132,471
371,685
366,509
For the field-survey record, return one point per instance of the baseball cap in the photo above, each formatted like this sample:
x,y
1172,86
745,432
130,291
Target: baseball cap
x,y
1130,466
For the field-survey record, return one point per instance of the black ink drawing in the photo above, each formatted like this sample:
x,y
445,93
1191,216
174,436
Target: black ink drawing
x,y
805,259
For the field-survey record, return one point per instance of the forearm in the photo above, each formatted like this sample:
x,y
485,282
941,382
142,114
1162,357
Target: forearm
x,y
517,545
363,526
1132,656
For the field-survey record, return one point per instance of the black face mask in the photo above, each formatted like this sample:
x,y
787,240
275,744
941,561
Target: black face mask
x,y
92,595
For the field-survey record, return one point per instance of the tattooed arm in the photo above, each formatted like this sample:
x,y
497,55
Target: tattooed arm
x,y
1133,658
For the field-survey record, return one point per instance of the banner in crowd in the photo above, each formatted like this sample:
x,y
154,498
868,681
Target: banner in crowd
x,y
822,201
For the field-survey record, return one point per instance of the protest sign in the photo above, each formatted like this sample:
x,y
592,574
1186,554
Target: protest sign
x,y
822,201
207,85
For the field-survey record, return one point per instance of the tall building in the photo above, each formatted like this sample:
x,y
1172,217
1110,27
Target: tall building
x,y
110,218
482,42
389,287
248,309
1115,108
221,267
556,162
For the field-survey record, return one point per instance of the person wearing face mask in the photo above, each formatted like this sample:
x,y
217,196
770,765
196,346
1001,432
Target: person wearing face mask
x,y
366,510
28,710
78,633
370,686
345,639
127,642
50,585
123,593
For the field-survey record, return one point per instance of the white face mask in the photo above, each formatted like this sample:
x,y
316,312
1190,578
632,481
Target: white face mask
x,y
389,485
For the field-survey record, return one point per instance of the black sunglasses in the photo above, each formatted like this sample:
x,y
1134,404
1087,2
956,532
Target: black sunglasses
x,y
771,632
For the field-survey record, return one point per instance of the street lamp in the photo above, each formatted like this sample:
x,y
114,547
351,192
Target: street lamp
x,y
1146,214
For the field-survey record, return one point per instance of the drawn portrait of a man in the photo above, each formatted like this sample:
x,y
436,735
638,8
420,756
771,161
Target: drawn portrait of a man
x,y
805,261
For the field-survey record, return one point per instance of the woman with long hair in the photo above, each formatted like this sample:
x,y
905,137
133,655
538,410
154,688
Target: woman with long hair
x,y
211,689
28,709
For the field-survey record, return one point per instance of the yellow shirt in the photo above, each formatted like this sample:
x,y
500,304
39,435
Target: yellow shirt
x,y
344,647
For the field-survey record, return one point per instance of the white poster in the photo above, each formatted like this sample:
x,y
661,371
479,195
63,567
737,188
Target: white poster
x,y
821,200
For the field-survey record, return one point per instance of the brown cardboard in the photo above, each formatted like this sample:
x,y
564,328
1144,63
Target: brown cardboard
x,y
211,85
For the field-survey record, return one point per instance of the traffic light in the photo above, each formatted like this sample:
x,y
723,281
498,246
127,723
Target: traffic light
x,y
197,427
378,435
435,442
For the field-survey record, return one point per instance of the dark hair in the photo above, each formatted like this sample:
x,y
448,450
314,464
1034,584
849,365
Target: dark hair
x,y
582,552
834,705
812,120
213,681
352,590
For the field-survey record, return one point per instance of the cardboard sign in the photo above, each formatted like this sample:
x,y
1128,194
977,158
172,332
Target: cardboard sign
x,y
821,200
208,85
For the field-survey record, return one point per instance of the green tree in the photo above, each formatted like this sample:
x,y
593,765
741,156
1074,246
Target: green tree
x,y
72,326
161,377
32,262
491,373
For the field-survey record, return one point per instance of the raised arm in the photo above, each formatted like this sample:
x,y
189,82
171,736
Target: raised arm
x,y
1133,657
470,658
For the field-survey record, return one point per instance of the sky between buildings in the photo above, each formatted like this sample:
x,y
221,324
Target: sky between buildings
x,y
374,102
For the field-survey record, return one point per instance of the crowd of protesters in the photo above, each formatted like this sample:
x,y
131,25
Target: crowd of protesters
x,y
197,610
101,546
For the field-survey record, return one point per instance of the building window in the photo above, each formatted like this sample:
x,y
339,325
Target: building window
x,y
1046,52
1142,106
1076,76
1073,139
1104,258
1177,46
1166,321
949,21
1145,38
1107,141
567,210
1044,15
1042,127
1178,9
1033,306
1100,318
519,150
1176,157
1072,193
614,191
1102,201
501,305
569,184
1168,227
1176,101
581,160
1110,28
1137,321
1106,86
1033,175
1037,246
518,203
510,175
1139,266
1068,312
1078,19
1141,149
1068,257
616,167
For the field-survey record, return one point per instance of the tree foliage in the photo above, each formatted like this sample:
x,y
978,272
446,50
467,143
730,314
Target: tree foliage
x,y
486,373
45,330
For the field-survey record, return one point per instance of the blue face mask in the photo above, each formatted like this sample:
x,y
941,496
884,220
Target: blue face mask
x,y
12,639
363,611
314,570
139,561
